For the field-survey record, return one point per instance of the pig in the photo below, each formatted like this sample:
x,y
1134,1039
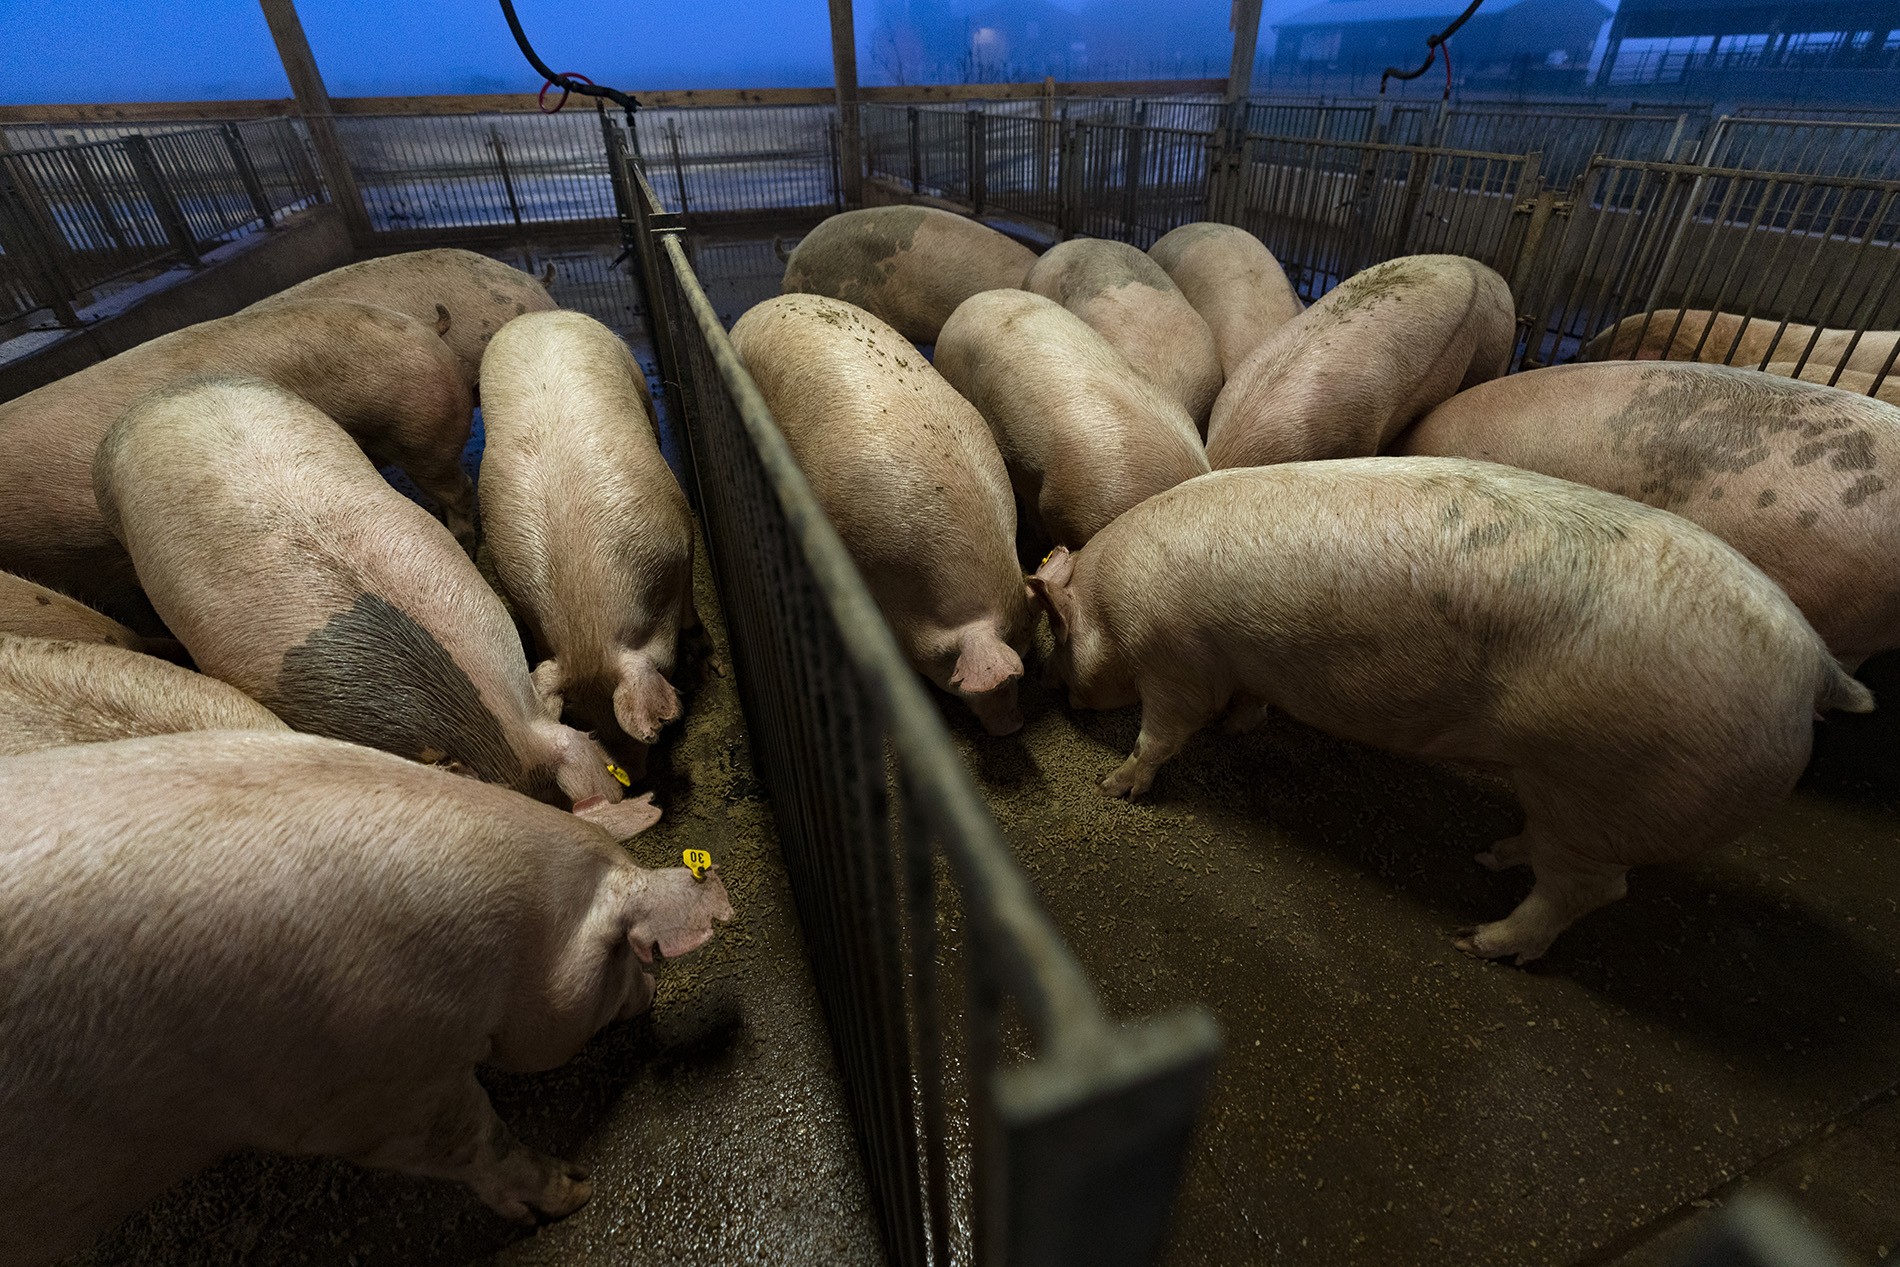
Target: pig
x,y
478,294
1083,434
385,378
54,693
1133,304
1233,282
906,470
1677,334
1351,372
1649,692
246,939
289,568
1860,382
908,266
1803,480
591,537
38,612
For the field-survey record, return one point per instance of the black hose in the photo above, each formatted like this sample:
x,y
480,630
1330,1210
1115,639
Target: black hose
x,y
1431,48
564,82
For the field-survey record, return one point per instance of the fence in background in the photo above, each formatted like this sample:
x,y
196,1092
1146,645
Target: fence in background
x,y
76,218
1075,1153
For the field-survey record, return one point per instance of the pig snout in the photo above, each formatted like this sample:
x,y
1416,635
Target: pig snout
x,y
985,678
997,709
674,914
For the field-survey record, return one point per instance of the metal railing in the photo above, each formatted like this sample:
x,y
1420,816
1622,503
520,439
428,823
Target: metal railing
x,y
1073,1153
74,218
1867,148
1774,248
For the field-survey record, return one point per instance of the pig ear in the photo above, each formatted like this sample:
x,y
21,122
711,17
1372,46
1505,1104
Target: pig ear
x,y
644,701
674,912
623,820
441,319
1058,600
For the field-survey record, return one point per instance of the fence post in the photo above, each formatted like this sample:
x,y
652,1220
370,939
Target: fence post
x,y
507,178
916,155
837,171
241,159
139,151
1067,181
1131,168
679,163
27,242
976,160
96,195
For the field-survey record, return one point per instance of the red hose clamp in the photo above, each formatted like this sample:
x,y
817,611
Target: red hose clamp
x,y
541,98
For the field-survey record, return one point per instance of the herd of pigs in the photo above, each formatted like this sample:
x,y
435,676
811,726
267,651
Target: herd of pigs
x,y
292,896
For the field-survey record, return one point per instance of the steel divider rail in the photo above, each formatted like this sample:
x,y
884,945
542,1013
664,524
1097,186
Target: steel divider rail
x,y
1076,1151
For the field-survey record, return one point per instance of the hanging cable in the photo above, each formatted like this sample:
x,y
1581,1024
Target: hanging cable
x,y
1432,45
567,83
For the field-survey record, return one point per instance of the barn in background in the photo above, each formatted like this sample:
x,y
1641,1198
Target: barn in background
x,y
1717,49
1508,42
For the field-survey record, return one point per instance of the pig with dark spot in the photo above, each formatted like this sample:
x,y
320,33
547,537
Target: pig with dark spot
x,y
1133,304
1083,434
908,473
590,534
38,612
292,570
472,295
55,693
1649,693
908,266
232,940
1728,338
1233,282
1801,479
388,380
1358,367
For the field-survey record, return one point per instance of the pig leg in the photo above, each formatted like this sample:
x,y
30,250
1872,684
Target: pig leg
x,y
1563,894
452,1132
547,688
1168,719
644,701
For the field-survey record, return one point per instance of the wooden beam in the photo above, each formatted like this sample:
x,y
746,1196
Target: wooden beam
x,y
844,75
1245,24
659,99
313,105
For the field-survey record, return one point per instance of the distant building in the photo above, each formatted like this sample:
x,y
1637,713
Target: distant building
x,y
1507,41
1814,48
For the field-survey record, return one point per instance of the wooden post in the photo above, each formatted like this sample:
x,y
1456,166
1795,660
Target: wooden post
x,y
313,105
844,70
1245,22
1244,19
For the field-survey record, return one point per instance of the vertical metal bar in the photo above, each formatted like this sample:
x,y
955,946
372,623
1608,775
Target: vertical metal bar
x,y
679,163
507,177
82,157
139,151
241,160
25,240
916,154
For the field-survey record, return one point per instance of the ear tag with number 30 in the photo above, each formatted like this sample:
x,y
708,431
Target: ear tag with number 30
x,y
698,861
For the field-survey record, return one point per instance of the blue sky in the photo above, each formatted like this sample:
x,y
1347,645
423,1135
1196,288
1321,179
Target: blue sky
x,y
181,50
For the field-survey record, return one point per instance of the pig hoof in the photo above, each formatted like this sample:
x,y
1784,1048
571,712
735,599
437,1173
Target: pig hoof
x,y
1494,941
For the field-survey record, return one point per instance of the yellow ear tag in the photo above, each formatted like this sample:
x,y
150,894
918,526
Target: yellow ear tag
x,y
698,861
620,776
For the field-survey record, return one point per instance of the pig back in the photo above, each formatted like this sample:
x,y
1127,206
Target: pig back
x,y
1083,434
589,530
290,569
1233,281
1800,478
907,266
1344,377
381,376
479,295
905,468
38,612
54,693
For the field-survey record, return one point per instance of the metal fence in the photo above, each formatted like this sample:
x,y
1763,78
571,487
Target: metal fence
x,y
74,218
1866,148
1074,1153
